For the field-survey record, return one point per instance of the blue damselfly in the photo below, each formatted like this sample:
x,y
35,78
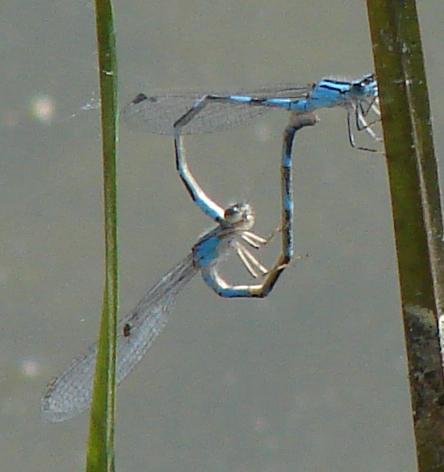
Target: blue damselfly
x,y
204,112
70,393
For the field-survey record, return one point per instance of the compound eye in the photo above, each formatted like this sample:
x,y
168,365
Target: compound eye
x,y
232,212
368,80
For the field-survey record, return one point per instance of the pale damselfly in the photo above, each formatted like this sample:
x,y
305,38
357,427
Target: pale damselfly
x,y
70,393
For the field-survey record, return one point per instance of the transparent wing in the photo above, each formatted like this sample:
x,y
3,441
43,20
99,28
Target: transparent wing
x,y
157,113
70,394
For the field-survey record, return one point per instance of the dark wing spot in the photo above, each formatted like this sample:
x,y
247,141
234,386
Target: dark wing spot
x,y
126,330
139,98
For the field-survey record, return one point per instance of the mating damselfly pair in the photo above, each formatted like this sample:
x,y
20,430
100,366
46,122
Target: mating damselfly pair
x,y
179,114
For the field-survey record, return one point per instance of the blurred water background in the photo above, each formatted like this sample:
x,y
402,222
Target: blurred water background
x,y
312,378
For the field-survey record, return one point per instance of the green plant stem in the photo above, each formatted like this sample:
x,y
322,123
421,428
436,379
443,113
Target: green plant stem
x,y
100,456
415,197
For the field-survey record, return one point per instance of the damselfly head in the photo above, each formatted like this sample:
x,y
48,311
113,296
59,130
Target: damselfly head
x,y
239,214
366,85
